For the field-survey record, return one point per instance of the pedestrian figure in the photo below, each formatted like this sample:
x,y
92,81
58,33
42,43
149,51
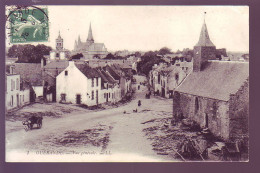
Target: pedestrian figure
x,y
139,102
124,112
138,87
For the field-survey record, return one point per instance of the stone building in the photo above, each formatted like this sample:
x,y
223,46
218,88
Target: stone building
x,y
15,94
215,94
60,53
79,83
90,49
204,50
165,78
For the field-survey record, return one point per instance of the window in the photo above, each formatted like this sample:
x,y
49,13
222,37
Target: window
x,y
159,78
92,95
63,97
92,82
109,95
104,95
66,73
12,85
17,84
196,105
12,100
11,70
23,98
97,81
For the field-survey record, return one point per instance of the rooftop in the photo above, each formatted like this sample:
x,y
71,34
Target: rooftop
x,y
217,81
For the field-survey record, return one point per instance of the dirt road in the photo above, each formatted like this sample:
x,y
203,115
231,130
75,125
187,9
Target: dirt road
x,y
107,135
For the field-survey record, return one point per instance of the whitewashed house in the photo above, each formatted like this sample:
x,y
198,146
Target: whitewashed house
x,y
15,96
110,89
30,73
155,77
78,84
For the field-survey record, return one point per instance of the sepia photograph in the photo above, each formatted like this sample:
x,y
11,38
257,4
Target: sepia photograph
x,y
126,83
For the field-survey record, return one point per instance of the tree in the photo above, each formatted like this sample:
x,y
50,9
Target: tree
x,y
137,54
147,61
29,53
110,56
77,56
164,51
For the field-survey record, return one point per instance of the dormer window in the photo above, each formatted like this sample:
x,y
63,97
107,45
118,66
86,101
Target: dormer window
x,y
66,73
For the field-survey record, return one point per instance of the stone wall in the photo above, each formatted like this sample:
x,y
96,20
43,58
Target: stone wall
x,y
239,112
216,111
202,55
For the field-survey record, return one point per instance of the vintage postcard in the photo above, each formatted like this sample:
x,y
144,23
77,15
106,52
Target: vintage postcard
x,y
127,83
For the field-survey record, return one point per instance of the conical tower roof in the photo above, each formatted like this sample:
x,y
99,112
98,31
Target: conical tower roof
x,y
204,37
59,37
75,45
79,40
90,36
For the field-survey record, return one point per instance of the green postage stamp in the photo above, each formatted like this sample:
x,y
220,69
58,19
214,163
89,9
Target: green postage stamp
x,y
28,24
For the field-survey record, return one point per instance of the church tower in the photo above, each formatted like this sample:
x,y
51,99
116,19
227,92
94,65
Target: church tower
x,y
79,41
90,39
204,50
59,43
75,45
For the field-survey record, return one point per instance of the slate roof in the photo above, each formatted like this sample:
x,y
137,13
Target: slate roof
x,y
204,39
112,72
57,64
167,70
97,47
87,70
29,72
107,77
217,81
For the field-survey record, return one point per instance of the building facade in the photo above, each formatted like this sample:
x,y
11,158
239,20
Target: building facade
x,y
81,84
15,96
90,49
216,94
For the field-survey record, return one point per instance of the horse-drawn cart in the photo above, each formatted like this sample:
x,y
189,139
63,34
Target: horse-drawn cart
x,y
31,121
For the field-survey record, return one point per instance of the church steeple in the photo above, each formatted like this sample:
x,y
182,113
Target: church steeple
x,y
204,39
204,50
75,45
90,39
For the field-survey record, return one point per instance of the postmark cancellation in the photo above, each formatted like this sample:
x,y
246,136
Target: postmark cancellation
x,y
27,24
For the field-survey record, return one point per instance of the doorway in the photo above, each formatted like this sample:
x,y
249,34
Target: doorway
x,y
78,99
163,92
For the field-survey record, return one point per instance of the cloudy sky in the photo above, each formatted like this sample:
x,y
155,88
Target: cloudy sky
x,y
151,27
